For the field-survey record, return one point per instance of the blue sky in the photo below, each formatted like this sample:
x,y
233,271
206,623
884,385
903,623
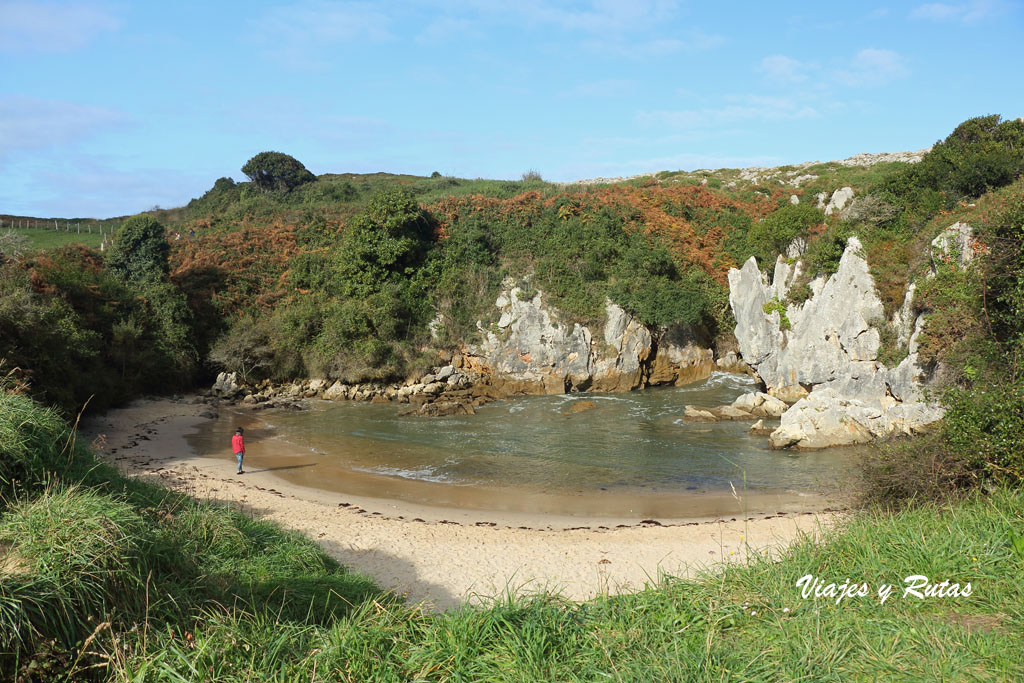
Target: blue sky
x,y
109,108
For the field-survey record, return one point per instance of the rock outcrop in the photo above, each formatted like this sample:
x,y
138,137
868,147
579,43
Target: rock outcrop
x,y
840,198
226,385
822,355
746,407
956,243
530,351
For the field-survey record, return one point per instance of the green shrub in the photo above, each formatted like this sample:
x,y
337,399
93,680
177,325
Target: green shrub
x,y
922,469
799,293
980,154
648,284
986,423
469,276
140,249
770,237
245,349
954,332
777,306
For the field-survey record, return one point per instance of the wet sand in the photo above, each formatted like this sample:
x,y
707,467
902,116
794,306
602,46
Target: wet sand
x,y
471,542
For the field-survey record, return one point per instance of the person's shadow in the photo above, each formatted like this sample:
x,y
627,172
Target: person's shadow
x,y
282,467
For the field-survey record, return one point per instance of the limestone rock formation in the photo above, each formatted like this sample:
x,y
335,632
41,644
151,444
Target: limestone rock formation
x,y
840,198
955,243
531,351
822,355
631,341
226,385
695,414
539,352
760,404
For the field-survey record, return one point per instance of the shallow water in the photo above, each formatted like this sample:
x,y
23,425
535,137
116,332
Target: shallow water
x,y
630,443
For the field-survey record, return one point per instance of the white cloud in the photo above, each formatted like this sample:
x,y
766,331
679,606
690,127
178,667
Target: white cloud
x,y
966,12
28,123
783,69
598,16
739,109
300,32
630,47
872,67
53,27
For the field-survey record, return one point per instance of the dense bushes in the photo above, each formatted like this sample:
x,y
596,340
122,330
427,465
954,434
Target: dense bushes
x,y
980,154
360,299
972,339
139,250
770,236
79,328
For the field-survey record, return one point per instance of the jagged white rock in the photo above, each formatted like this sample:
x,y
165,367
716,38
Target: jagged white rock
x,y
826,363
840,198
532,346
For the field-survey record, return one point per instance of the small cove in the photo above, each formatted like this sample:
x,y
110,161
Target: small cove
x,y
629,455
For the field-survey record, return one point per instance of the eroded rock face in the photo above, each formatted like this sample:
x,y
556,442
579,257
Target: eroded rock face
x,y
956,243
631,343
682,357
826,362
825,418
530,351
535,349
226,385
840,198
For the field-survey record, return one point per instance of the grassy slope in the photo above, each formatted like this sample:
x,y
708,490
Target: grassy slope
x,y
170,590
51,239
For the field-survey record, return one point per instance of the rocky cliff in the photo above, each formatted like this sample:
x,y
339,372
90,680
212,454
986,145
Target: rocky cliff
x,y
531,351
821,355
528,351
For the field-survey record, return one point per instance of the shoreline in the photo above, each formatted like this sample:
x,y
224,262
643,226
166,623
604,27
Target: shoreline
x,y
443,556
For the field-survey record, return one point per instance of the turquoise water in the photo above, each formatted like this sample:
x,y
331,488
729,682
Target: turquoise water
x,y
630,441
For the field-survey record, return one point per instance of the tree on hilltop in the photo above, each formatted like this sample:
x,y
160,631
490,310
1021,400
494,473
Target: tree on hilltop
x,y
276,171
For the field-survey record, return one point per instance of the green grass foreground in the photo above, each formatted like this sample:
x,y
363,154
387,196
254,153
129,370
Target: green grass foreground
x,y
106,578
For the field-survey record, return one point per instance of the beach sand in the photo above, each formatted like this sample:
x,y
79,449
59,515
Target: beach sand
x,y
441,556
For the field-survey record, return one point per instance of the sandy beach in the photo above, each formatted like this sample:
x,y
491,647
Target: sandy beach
x,y
440,556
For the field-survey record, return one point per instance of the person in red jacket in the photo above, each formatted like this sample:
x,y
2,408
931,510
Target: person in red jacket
x,y
238,445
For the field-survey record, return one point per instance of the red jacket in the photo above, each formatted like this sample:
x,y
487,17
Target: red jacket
x,y
238,444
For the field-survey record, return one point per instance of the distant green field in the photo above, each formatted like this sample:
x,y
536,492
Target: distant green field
x,y
50,239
